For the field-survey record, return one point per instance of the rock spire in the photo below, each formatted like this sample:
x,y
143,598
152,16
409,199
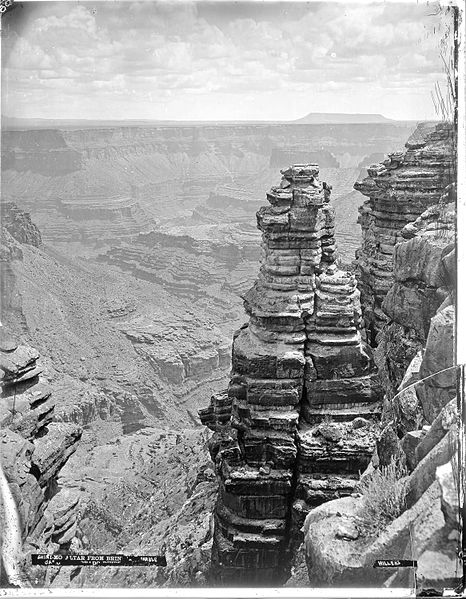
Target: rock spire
x,y
297,421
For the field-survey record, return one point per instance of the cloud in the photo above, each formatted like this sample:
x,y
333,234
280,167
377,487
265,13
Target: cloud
x,y
173,49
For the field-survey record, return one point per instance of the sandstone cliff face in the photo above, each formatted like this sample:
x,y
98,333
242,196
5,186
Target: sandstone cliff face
x,y
399,190
418,304
33,450
297,422
420,417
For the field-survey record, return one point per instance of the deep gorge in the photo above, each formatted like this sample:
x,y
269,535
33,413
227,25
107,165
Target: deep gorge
x,y
133,323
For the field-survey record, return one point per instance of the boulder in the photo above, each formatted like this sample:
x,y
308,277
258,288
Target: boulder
x,y
346,560
424,473
438,364
409,443
389,447
446,420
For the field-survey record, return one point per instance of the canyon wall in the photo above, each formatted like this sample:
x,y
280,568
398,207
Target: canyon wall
x,y
139,342
399,190
33,450
139,176
105,357
42,152
412,308
298,420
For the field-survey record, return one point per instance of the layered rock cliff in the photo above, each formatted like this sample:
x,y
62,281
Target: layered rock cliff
x,y
42,152
68,178
298,420
424,286
420,425
399,189
33,450
102,367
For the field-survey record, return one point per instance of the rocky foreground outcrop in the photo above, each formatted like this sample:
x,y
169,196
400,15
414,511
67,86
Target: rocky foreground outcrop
x,y
298,421
400,189
33,450
419,310
420,423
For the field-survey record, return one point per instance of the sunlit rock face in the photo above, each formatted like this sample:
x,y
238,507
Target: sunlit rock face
x,y
297,423
399,189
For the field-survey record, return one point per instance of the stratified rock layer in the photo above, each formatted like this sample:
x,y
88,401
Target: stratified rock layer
x,y
287,436
399,189
424,283
33,449
421,415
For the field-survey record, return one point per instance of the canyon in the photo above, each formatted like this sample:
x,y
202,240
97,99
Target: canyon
x,y
125,253
70,179
148,241
303,442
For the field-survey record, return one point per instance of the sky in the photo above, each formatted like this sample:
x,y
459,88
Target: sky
x,y
254,60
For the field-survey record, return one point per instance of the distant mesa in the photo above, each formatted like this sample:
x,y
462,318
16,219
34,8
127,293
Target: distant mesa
x,y
333,118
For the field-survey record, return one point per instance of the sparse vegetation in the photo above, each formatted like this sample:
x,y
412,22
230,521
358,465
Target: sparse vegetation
x,y
445,96
383,498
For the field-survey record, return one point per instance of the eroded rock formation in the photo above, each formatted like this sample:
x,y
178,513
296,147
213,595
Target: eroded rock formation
x,y
419,304
399,189
66,176
33,450
297,423
420,429
420,425
19,225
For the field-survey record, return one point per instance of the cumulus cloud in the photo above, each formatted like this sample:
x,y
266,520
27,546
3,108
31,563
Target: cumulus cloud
x,y
155,52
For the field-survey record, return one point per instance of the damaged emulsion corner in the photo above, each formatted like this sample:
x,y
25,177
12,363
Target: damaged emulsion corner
x,y
332,451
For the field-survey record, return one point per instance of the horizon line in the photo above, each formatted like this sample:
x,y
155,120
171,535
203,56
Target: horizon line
x,y
196,120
